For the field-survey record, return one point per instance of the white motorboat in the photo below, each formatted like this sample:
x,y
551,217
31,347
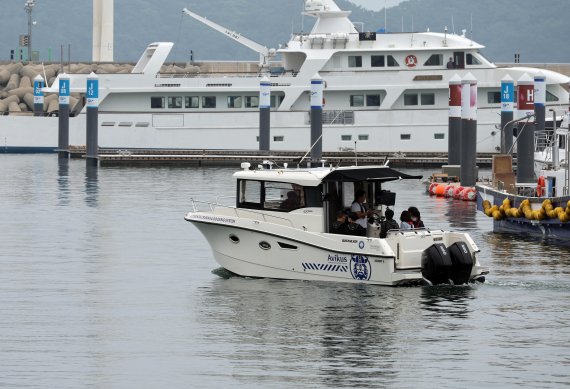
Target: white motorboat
x,y
267,235
384,92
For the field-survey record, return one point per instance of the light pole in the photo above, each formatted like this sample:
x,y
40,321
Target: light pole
x,y
29,6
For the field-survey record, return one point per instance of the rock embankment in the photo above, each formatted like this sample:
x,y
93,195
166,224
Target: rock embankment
x,y
17,83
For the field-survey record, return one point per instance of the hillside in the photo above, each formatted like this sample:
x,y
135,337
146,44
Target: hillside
x,y
503,29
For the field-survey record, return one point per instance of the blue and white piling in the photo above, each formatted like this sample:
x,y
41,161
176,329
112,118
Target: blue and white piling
x,y
525,137
540,103
468,168
38,96
317,87
264,114
92,121
507,113
63,133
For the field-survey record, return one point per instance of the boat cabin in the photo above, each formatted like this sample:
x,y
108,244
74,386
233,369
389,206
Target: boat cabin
x,y
311,199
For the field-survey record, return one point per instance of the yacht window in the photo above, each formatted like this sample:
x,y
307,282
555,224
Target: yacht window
x,y
372,100
354,61
411,99
276,100
208,101
405,136
192,102
494,97
357,100
283,196
434,60
362,137
234,101
157,102
346,138
439,136
392,61
251,101
470,59
175,102
278,138
551,96
377,61
249,194
428,98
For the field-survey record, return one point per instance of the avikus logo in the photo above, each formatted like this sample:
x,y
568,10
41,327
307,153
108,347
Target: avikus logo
x,y
338,258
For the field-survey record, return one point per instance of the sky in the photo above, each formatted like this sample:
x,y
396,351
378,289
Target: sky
x,y
376,5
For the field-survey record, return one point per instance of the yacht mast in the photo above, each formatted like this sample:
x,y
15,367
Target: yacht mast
x,y
103,30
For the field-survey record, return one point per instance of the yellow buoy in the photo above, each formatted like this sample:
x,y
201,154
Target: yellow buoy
x,y
564,217
552,214
528,214
488,212
486,204
497,215
558,210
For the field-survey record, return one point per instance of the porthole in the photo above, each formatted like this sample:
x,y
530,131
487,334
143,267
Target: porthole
x,y
234,239
264,245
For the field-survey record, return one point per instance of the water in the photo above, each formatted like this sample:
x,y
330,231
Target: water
x,y
103,284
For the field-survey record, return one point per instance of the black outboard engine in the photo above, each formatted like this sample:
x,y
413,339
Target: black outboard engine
x,y
462,261
436,264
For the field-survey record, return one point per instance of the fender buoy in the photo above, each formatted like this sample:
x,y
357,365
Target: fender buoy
x,y
457,192
432,187
440,190
469,194
540,187
448,191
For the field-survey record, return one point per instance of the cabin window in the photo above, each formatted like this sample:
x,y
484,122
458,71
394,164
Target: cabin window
x,y
411,99
283,196
208,101
276,100
439,136
551,96
405,136
192,102
494,97
434,60
251,101
354,61
357,100
372,100
392,61
428,98
470,59
249,195
278,138
234,101
346,138
156,102
362,137
175,102
377,61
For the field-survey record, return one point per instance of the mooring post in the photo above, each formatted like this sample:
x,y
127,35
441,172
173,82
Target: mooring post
x,y
507,113
264,114
92,135
468,168
525,136
454,130
38,96
63,138
317,86
539,103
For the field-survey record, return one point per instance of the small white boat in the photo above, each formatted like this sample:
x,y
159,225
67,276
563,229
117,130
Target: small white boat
x,y
283,226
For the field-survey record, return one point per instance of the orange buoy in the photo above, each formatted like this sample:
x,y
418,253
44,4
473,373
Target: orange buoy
x,y
440,190
540,187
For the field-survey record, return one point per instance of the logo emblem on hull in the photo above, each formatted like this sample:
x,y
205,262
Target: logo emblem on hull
x,y
360,267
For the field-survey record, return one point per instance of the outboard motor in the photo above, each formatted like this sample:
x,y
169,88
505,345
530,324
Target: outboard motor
x,y
436,264
462,261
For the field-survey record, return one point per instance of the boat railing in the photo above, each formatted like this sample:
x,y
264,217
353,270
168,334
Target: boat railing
x,y
230,210
286,74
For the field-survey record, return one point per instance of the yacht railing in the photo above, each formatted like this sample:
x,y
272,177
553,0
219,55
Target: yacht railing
x,y
286,74
239,212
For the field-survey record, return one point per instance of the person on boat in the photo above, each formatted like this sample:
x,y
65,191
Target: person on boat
x,y
406,221
416,217
354,227
359,208
450,63
388,223
340,225
291,202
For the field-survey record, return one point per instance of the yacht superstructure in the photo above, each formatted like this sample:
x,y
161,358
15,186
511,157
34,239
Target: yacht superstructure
x,y
384,92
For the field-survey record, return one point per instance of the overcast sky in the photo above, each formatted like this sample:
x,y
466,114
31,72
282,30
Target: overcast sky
x,y
376,5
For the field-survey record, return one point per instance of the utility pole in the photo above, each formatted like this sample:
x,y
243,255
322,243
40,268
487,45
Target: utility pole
x,y
29,6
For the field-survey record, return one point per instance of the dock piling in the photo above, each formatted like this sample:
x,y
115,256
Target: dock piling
x,y
38,96
539,103
507,113
525,136
454,136
63,133
468,168
317,86
92,133
264,114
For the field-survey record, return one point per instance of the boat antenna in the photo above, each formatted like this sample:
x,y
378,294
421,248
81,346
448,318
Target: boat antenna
x,y
385,16
355,154
402,23
471,32
308,151
452,25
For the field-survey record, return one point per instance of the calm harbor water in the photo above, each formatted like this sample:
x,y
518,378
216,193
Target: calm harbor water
x,y
103,284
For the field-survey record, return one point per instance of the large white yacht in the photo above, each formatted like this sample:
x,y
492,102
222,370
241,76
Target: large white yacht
x,y
384,92
297,224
